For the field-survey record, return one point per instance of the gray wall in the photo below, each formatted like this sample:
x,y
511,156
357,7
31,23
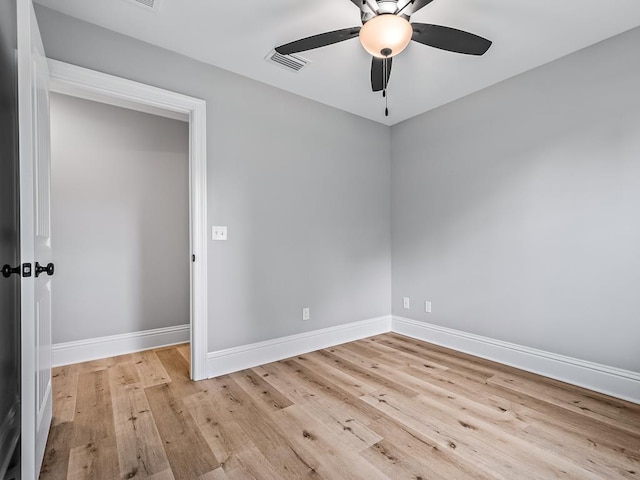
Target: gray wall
x,y
303,188
120,220
516,210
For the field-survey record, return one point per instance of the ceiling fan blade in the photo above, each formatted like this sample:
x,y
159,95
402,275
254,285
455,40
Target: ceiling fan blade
x,y
317,41
378,73
451,39
409,7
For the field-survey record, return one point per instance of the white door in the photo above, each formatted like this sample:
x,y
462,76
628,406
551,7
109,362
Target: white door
x,y
35,240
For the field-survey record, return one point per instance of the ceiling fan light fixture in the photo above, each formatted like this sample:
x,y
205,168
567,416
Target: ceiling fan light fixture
x,y
386,35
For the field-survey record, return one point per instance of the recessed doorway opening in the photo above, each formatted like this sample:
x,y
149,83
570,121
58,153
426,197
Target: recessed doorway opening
x,y
162,260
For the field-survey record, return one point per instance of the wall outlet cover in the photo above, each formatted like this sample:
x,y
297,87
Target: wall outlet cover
x,y
305,313
405,303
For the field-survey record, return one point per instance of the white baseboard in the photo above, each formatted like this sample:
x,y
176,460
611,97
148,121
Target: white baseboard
x,y
103,347
238,358
616,382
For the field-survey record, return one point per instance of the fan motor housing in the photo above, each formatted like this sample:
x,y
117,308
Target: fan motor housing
x,y
387,6
384,7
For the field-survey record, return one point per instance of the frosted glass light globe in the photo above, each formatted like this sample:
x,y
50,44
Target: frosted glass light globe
x,y
386,35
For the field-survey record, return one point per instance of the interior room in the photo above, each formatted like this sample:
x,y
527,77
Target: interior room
x,y
366,255
120,205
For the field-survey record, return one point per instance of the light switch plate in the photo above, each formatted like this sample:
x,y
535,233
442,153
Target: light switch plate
x,y
218,232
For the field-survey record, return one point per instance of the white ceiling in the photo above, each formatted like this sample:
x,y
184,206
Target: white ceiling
x,y
237,34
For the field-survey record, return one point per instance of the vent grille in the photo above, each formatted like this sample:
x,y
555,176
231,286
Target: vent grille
x,y
147,4
292,63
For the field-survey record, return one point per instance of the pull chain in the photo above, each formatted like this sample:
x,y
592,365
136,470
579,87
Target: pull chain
x,y
386,82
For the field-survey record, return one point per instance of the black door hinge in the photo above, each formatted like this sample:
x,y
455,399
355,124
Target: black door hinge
x,y
193,258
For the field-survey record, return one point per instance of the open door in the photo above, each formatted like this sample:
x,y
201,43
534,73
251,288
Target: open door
x,y
35,240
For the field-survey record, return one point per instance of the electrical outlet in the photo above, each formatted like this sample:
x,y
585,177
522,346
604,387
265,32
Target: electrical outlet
x,y
405,303
218,232
305,313
427,306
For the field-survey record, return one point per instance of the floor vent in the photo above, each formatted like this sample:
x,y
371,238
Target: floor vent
x,y
147,4
293,63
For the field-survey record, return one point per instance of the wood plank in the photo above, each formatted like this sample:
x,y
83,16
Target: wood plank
x,y
164,475
573,428
408,447
217,474
347,432
56,455
150,369
294,378
363,374
222,433
512,433
270,399
325,446
288,460
363,348
123,374
250,464
600,460
398,463
185,351
346,382
377,342
141,452
93,451
616,413
65,388
187,451
472,367
178,369
96,365
501,455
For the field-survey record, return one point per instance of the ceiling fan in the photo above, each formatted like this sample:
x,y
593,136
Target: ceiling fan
x,y
386,32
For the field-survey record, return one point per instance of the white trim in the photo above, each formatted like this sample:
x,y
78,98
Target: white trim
x,y
112,345
238,358
73,90
100,87
85,83
616,382
199,238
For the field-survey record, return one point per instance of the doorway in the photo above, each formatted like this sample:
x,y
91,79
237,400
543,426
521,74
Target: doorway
x,y
120,228
82,85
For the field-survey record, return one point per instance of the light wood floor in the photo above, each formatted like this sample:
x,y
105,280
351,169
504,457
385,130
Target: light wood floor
x,y
386,407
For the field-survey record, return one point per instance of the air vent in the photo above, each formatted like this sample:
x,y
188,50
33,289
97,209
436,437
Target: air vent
x,y
147,4
292,63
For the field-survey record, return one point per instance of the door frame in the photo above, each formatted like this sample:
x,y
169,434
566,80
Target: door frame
x,y
89,84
